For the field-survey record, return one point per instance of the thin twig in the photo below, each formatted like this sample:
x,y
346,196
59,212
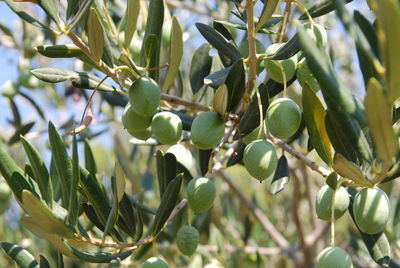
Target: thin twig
x,y
187,103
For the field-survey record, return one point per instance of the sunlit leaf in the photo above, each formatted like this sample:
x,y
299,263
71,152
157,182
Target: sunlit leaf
x,y
349,170
200,67
281,176
266,13
132,13
95,36
220,100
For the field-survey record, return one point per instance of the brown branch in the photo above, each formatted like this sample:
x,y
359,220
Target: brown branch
x,y
187,103
308,162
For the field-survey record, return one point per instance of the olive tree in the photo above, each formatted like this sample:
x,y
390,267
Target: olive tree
x,y
212,134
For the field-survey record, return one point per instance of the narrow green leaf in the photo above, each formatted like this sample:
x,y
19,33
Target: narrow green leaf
x,y
368,30
349,170
25,16
314,117
72,7
204,160
150,47
113,215
98,257
20,131
166,170
321,8
90,81
53,75
175,54
200,67
379,117
13,174
154,25
236,84
95,35
73,206
40,171
90,162
289,49
62,163
21,256
60,51
167,204
127,213
388,16
217,79
81,13
120,182
132,14
218,41
40,213
266,13
50,8
281,176
243,26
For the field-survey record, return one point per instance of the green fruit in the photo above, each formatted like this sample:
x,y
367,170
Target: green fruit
x,y
5,191
167,127
201,194
318,33
371,210
284,117
273,66
145,96
305,76
324,199
134,122
260,159
142,134
333,257
244,51
154,262
187,239
10,89
207,130
28,80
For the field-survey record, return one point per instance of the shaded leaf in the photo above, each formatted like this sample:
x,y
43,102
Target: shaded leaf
x,y
98,257
24,15
95,36
43,262
73,205
314,117
150,46
217,79
332,181
90,162
349,170
321,8
50,8
379,117
20,131
167,204
166,170
266,13
82,12
132,14
236,84
113,215
204,160
200,67
281,176
175,54
21,256
126,211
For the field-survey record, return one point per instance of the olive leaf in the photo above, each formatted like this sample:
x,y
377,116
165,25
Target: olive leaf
x,y
281,176
266,13
95,36
132,14
60,51
321,8
200,67
24,15
21,256
166,170
349,170
73,205
50,8
236,85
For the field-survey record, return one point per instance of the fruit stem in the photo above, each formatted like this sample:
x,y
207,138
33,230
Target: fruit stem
x,y
305,10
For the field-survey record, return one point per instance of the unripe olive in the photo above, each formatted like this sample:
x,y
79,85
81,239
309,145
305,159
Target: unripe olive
x,y
145,96
207,130
273,66
284,117
260,159
154,262
167,127
187,239
201,194
317,33
5,191
324,199
28,80
333,257
244,51
305,76
134,122
9,89
371,210
142,134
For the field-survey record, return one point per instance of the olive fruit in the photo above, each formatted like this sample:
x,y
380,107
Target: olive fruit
x,y
154,262
260,159
317,33
283,117
142,134
207,130
144,96
333,257
273,67
5,191
244,51
305,76
134,122
9,89
371,210
324,199
201,194
187,239
167,127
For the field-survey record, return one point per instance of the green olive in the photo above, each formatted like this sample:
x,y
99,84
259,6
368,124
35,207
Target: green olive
x,y
187,239
284,118
207,130
145,96
333,257
154,262
371,210
317,33
142,134
274,67
201,194
260,159
324,199
134,122
167,127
